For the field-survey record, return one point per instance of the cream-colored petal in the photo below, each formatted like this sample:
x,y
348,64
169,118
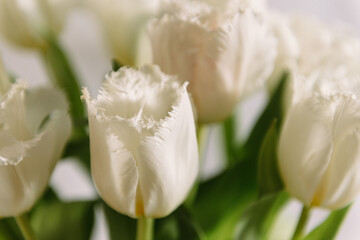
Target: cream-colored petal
x,y
134,113
224,55
13,194
341,183
305,147
40,102
168,161
29,176
123,26
13,113
113,167
20,22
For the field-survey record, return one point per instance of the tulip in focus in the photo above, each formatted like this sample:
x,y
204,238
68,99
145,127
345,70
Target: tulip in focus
x,y
319,146
144,156
34,127
224,53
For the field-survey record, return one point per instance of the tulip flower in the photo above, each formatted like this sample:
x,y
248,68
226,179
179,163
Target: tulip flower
x,y
34,128
319,146
224,53
336,47
287,48
27,23
144,157
123,24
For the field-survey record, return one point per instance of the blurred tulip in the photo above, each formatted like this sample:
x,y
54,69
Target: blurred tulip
x,y
319,146
144,157
34,127
224,53
123,23
335,46
287,49
27,23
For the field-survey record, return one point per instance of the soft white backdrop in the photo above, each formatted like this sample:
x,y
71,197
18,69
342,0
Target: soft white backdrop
x,y
86,49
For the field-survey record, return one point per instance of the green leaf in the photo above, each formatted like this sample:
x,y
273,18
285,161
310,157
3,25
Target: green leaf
x,y
221,201
56,220
62,74
272,111
178,225
9,230
329,228
120,226
269,179
257,221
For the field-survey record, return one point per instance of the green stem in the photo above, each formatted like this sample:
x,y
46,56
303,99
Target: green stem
x,y
62,74
145,229
300,228
25,228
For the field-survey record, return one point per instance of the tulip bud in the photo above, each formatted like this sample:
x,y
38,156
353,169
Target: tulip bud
x,y
319,146
34,127
223,53
27,22
144,157
123,22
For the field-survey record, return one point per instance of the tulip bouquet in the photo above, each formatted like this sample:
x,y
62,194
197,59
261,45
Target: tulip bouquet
x,y
179,69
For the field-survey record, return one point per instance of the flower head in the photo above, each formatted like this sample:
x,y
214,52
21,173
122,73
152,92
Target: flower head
x,y
144,156
224,53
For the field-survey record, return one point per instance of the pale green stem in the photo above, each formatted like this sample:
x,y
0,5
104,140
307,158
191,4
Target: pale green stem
x,y
145,229
25,228
300,228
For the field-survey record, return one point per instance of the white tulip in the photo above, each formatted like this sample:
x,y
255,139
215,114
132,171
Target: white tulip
x,y
335,46
144,157
224,54
123,24
287,48
336,60
27,22
319,145
34,127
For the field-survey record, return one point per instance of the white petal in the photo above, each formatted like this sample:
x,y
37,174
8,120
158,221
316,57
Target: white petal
x,y
123,23
341,183
305,148
223,56
135,112
113,167
168,161
13,113
34,170
40,102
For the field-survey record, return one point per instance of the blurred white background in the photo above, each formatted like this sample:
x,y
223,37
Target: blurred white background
x,y
86,48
